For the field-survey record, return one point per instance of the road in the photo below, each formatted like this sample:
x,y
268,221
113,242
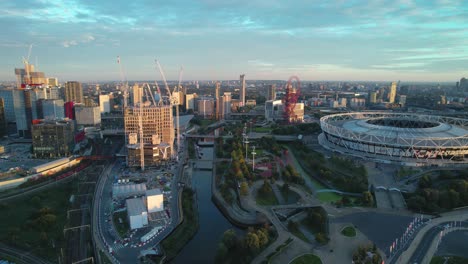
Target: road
x,y
104,231
21,256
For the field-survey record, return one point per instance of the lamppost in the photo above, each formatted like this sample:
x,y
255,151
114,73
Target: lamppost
x,y
246,142
253,158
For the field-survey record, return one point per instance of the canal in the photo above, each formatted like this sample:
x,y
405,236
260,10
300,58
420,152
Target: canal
x,y
202,248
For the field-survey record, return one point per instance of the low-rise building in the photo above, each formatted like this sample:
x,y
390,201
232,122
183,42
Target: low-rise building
x,y
126,190
154,200
137,214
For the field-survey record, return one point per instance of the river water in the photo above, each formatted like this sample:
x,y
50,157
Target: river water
x,y
202,248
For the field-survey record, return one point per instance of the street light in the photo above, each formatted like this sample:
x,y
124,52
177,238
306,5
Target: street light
x,y
246,142
253,158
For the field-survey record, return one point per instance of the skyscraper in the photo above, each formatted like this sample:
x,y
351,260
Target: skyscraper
x,y
3,123
272,92
242,90
53,109
73,92
52,82
218,103
225,105
137,94
392,93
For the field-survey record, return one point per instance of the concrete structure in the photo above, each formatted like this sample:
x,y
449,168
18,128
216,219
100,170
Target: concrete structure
x,y
52,82
28,77
402,100
273,110
88,116
73,92
206,107
401,137
373,97
53,138
104,103
298,113
137,214
137,94
154,200
242,90
52,109
157,132
127,190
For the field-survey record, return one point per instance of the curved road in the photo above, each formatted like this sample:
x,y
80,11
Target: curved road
x,y
21,256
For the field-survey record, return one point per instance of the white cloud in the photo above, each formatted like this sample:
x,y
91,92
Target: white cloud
x,y
69,43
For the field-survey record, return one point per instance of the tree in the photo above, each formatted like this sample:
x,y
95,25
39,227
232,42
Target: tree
x,y
321,238
230,238
244,188
367,198
416,202
252,242
221,253
262,235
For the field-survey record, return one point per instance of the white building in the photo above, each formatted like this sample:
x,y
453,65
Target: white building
x,y
104,103
154,200
273,110
88,115
137,214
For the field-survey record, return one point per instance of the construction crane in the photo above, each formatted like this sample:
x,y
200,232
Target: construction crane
x,y
124,82
177,108
173,101
26,69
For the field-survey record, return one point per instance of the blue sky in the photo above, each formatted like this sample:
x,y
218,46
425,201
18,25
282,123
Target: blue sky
x,y
219,39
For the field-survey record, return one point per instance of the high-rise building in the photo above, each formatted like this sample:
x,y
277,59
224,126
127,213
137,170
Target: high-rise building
x,y
52,109
137,94
89,102
7,95
273,110
26,109
52,82
225,105
69,110
88,116
73,92
463,85
206,107
373,97
392,93
402,100
28,77
104,103
190,101
53,93
272,92
3,122
218,103
53,138
157,132
242,90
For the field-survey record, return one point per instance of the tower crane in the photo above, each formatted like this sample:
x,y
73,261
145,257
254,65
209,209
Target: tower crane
x,y
173,101
26,69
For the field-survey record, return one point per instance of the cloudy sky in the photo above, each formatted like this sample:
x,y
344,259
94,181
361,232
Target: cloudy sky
x,y
219,39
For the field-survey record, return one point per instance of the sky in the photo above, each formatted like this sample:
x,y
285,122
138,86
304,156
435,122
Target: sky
x,y
220,39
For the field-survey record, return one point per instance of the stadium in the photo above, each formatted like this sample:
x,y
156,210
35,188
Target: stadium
x,y
407,138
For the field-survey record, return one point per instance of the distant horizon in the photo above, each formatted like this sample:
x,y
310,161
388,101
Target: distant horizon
x,y
267,40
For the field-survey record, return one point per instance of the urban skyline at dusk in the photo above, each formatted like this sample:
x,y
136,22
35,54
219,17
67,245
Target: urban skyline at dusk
x,y
336,40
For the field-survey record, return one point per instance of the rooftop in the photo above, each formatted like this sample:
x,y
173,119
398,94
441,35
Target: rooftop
x,y
135,206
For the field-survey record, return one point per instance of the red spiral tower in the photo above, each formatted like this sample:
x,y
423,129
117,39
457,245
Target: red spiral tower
x,y
290,98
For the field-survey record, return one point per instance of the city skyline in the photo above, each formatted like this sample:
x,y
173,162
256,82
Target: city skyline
x,y
337,40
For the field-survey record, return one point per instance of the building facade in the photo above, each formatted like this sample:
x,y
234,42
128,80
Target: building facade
x,y
104,103
88,116
53,138
242,90
73,92
53,109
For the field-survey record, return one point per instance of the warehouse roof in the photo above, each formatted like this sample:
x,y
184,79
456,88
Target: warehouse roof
x,y
128,189
153,192
135,206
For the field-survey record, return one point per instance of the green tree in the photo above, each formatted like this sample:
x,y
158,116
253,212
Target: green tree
x,y
244,188
230,239
221,253
367,198
252,242
262,235
321,238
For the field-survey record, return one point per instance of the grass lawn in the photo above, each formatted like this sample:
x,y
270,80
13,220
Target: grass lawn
x,y
290,196
207,122
349,231
123,227
307,259
299,234
328,197
185,231
262,129
267,199
18,226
